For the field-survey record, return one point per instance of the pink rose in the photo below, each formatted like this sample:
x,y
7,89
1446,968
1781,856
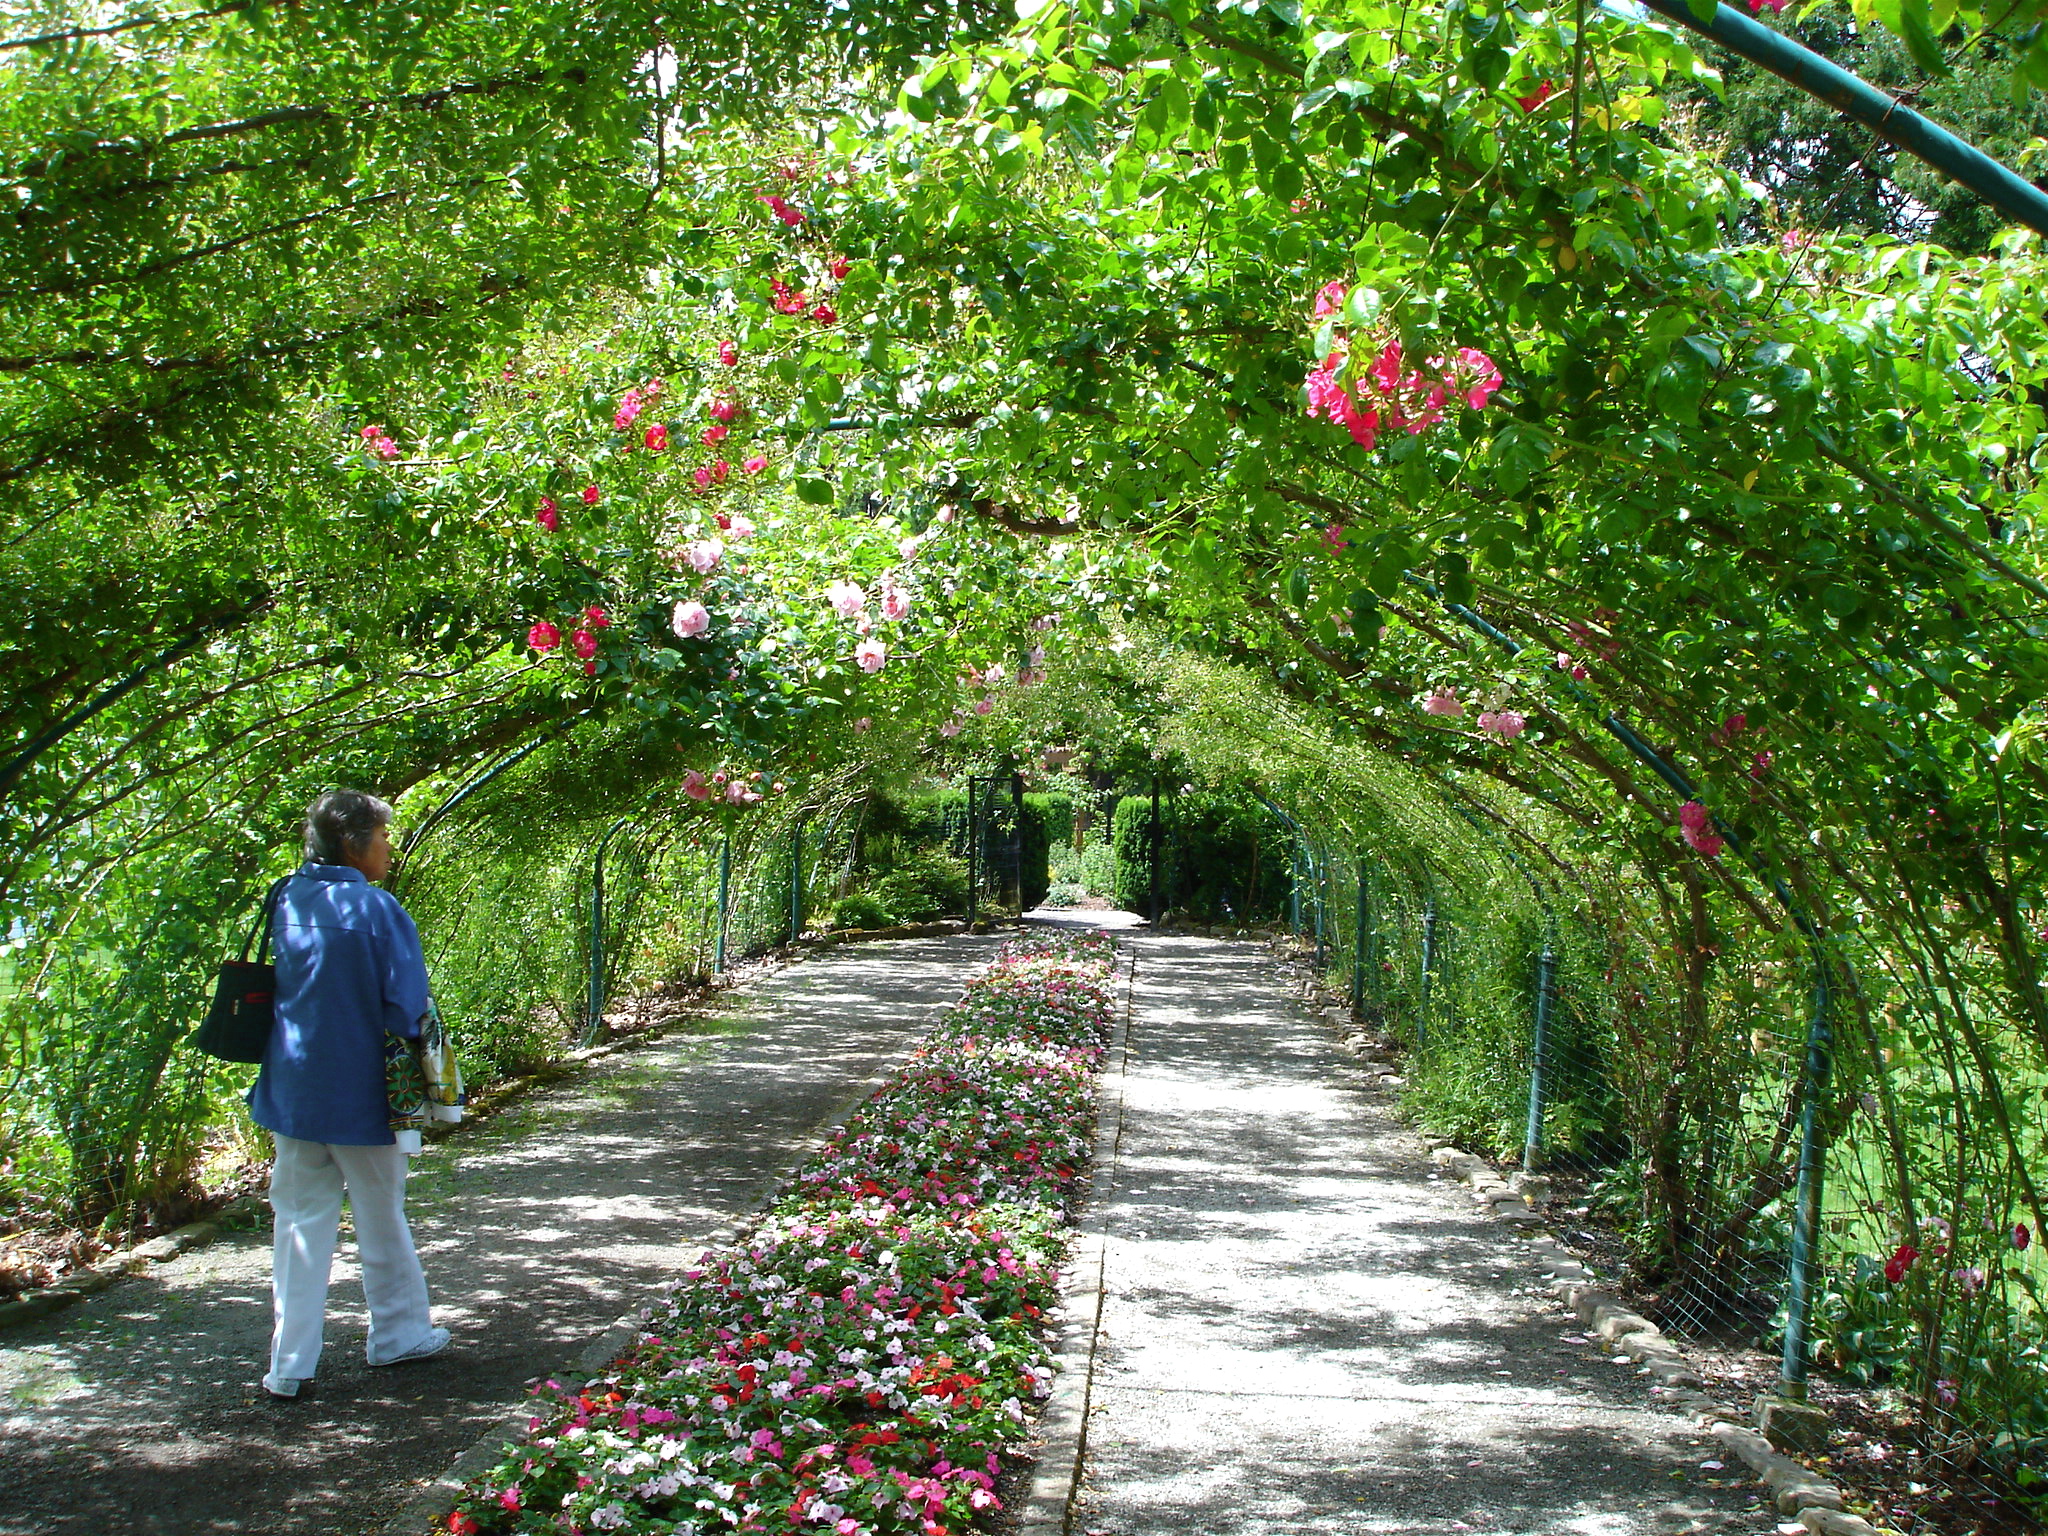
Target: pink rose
x,y
725,408
840,267
549,517
713,435
1504,723
656,438
1444,701
704,555
756,464
825,314
871,654
543,636
1330,299
729,354
847,599
740,526
690,618
590,495
895,602
695,787
583,643
950,728
984,704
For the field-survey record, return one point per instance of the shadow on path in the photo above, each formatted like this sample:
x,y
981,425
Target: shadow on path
x,y
1304,1330
137,1412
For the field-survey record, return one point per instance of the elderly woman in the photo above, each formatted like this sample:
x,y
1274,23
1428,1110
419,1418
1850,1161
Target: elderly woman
x,y
349,970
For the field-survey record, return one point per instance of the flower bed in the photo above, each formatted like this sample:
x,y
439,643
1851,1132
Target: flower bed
x,y
858,1363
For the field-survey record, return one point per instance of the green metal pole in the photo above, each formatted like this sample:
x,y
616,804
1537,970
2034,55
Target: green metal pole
x,y
1879,111
796,879
1819,1067
593,1017
1358,959
973,847
724,899
1428,970
1539,1061
1153,842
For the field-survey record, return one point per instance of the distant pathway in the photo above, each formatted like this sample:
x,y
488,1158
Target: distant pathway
x,y
1302,1332
137,1412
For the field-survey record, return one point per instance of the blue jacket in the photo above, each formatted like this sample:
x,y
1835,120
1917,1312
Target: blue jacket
x,y
349,970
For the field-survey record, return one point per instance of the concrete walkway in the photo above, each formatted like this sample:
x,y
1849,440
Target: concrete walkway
x,y
1305,1330
137,1411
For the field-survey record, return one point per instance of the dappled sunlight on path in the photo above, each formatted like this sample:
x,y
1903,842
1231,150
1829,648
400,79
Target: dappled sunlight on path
x,y
1304,1332
137,1411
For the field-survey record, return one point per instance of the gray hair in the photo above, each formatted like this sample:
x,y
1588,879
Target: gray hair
x,y
343,821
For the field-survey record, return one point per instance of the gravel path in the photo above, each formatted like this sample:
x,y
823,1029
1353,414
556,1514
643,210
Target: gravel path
x,y
1305,1330
137,1411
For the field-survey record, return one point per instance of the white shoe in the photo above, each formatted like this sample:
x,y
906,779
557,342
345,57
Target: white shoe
x,y
282,1386
432,1345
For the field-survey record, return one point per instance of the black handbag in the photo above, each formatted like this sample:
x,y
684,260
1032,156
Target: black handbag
x,y
237,1027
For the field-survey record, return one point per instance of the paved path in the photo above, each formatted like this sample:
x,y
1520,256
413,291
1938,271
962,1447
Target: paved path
x,y
1305,1331
137,1411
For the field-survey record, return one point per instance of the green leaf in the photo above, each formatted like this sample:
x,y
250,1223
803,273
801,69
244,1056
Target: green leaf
x,y
815,492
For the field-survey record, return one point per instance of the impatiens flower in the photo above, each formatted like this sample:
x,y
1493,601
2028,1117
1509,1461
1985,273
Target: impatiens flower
x,y
847,599
1444,701
656,439
1896,1266
690,618
549,516
756,464
895,602
871,654
840,267
583,643
725,408
729,354
509,1500
703,555
1542,93
825,314
714,434
695,787
543,636
596,618
591,495
460,1524
1330,299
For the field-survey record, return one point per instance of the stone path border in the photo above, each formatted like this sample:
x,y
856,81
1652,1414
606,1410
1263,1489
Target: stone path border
x,y
1047,1508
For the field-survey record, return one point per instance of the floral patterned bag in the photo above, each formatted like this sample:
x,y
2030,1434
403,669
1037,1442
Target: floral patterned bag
x,y
422,1079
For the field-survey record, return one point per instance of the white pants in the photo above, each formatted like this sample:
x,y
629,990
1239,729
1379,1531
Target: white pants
x,y
306,1186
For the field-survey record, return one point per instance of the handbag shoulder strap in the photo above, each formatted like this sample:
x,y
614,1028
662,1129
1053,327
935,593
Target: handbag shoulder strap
x,y
266,920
